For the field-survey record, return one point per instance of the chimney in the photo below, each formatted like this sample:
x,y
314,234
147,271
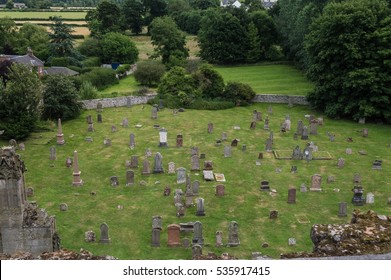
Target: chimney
x,y
29,51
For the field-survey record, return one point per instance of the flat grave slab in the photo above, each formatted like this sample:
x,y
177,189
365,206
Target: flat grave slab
x,y
219,177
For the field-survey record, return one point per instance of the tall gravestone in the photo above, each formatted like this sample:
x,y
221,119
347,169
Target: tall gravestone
x,y
292,196
304,135
219,239
195,163
198,237
163,138
77,181
181,175
132,141
104,234
146,168
195,187
233,234
314,128
342,211
173,233
227,151
158,167
52,153
154,113
210,127
269,145
316,181
200,207
129,178
60,135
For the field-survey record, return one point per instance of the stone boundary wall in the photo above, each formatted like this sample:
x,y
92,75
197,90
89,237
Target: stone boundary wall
x,y
124,101
277,98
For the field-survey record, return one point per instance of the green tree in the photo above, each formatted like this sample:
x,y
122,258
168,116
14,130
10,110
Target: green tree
x,y
210,83
189,21
36,37
20,102
168,39
106,18
90,47
8,35
154,9
60,98
239,93
9,4
254,52
88,91
349,57
134,11
221,38
149,72
204,4
117,47
61,41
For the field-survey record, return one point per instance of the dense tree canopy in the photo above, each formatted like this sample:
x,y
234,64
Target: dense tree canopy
x,y
36,37
61,41
149,72
117,47
350,59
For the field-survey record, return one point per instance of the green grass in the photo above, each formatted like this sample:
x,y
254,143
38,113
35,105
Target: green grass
x,y
130,228
42,15
126,86
269,78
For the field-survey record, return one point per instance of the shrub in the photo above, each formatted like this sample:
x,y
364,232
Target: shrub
x,y
87,91
59,61
239,93
90,47
100,77
92,61
122,69
149,72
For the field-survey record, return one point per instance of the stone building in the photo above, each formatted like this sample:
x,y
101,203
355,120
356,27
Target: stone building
x,y
23,226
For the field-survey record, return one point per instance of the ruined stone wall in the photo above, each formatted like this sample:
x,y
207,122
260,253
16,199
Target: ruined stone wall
x,y
277,98
121,101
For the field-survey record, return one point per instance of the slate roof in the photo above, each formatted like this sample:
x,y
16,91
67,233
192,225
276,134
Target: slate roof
x,y
60,70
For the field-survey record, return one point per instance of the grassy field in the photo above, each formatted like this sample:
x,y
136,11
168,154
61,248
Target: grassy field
x,y
125,86
43,15
130,227
269,79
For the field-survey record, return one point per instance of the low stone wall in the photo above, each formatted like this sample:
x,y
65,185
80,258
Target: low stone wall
x,y
124,101
276,98
121,101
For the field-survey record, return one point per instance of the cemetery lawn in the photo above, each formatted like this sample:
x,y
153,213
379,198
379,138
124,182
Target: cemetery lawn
x,y
130,227
268,78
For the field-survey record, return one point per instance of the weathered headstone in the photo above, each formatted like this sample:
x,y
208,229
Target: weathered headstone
x,y
314,128
154,113
348,151
125,122
299,130
22,146
148,153
208,165
304,135
128,102
196,187
269,145
132,141
220,190
219,239
303,188
264,186
210,127
52,153
341,162
342,211
99,107
179,140
77,181
260,155
157,222
288,124
113,128
208,175
129,178
146,168
155,237
294,169
163,137
181,175
224,136
89,119
234,143
194,151
99,118
370,198
233,234
104,233
365,132
171,168
296,154
270,110
253,125
186,243
133,162
377,164
114,182
292,196
307,154
167,191
227,151
200,207
266,124
291,241
196,251
358,198
330,179
273,214
173,232
89,236
316,181
30,192
60,135
158,166
198,237
107,142
63,207
357,178
195,163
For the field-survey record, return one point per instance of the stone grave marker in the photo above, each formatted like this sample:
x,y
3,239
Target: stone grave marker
x,y
220,190
233,234
264,186
358,198
157,222
357,178
330,179
99,107
107,142
210,127
60,135
173,232
316,181
104,234
253,125
234,143
52,153
171,168
77,181
180,211
89,236
291,241
208,175
292,196
132,141
303,188
342,211
202,155
129,178
219,177
370,198
260,155
294,169
133,162
128,102
196,187
113,128
196,251
181,175
189,188
227,151
314,128
270,110
186,243
125,122
341,163
22,146
255,115
269,145
304,136
224,136
194,151
30,192
179,140
146,168
208,165
365,132
219,239
154,113
244,147
158,166
163,137
155,237
296,154
114,181
90,127
167,191
198,237
349,151
63,207
148,153
331,137
377,164
259,116
300,127
266,124
89,119
200,207
288,124
273,214
99,118
195,163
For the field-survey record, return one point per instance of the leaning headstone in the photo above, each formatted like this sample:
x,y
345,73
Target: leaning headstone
x,y
155,237
158,167
195,163
89,236
179,140
171,168
129,178
114,182
196,251
227,151
163,137
173,233
370,198
146,168
342,211
341,162
316,181
233,234
132,141
52,153
198,237
292,196
273,214
219,239
200,207
181,175
220,190
104,233
210,127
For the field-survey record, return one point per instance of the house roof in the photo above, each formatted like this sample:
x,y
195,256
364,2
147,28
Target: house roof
x,y
60,70
27,59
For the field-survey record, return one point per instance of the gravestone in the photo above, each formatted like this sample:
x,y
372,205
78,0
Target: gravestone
x,y
314,128
208,165
90,127
292,196
377,164
114,181
300,127
307,154
269,145
224,136
167,191
357,178
30,192
271,136
219,239
234,143
270,110
63,207
179,140
132,141
60,135
181,175
173,232
361,120
196,251
196,187
128,102
208,175
157,222
154,113
195,163
180,211
342,211
99,107
107,142
146,168
186,243
133,162
194,151
349,151
129,178
227,151
177,199
370,198
158,166
155,237
295,136
197,237
365,132
218,142
52,153
113,128
358,198
99,118
264,186
296,154
89,236
22,146
253,125
89,119
200,207
273,214
259,116
125,122
266,124
189,188
331,137
303,188
244,147
316,181
341,163
260,155
233,234
294,169
330,179
291,241
288,124
202,155
104,234
163,138
77,181
220,190
210,127
148,153
255,115
304,135
171,168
